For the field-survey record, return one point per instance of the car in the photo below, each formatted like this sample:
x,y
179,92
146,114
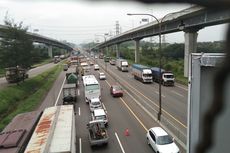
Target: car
x,y
102,76
96,57
160,141
112,61
94,103
96,67
116,91
91,63
100,114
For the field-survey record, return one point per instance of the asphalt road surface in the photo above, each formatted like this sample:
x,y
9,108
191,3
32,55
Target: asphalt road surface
x,y
123,114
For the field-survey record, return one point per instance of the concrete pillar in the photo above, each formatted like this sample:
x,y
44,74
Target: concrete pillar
x,y
117,50
190,46
107,50
137,50
50,51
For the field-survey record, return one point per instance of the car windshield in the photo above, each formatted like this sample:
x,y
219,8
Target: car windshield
x,y
92,87
96,103
163,140
147,75
116,88
168,76
102,117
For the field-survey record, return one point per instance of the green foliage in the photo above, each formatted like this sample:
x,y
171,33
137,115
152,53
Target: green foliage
x,y
16,46
27,96
211,47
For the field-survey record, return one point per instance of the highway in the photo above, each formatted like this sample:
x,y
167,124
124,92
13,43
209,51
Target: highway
x,y
32,73
174,99
123,114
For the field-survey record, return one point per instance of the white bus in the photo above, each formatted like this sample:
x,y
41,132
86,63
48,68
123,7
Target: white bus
x,y
91,88
55,131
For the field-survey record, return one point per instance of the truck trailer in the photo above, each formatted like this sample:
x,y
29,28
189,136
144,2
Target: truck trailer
x,y
164,77
142,73
122,65
50,131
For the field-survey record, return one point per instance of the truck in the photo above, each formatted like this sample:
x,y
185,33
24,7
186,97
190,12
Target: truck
x,y
97,133
69,94
91,88
142,73
55,131
164,77
56,59
101,55
15,74
50,130
106,59
122,65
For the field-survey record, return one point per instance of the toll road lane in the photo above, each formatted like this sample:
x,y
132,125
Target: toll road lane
x,y
139,112
173,105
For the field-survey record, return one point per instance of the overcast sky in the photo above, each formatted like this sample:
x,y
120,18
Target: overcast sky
x,y
80,21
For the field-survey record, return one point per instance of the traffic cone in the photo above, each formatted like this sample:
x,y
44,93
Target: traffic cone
x,y
127,132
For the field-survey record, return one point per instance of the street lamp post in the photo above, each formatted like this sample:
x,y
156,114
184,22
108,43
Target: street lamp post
x,y
160,65
106,34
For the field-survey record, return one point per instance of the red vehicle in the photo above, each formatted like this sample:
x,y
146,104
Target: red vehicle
x,y
116,91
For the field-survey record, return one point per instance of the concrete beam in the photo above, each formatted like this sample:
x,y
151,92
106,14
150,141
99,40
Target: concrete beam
x,y
137,50
190,46
50,51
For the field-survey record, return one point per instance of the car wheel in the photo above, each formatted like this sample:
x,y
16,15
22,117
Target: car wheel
x,y
148,141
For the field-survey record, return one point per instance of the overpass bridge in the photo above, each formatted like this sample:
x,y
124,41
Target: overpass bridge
x,y
41,39
189,20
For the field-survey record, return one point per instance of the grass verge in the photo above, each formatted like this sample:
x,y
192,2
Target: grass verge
x,y
26,96
46,61
2,72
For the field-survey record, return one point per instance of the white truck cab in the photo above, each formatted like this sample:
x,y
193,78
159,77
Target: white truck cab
x,y
99,114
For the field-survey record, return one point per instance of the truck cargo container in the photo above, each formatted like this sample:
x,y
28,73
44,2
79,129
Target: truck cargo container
x,y
55,131
122,65
164,77
142,73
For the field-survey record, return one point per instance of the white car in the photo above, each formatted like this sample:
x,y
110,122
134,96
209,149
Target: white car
x,y
96,67
102,76
160,141
94,103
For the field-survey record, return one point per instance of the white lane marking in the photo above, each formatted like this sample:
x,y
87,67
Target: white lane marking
x,y
80,149
122,149
104,107
161,94
153,102
181,87
79,111
177,93
78,92
60,92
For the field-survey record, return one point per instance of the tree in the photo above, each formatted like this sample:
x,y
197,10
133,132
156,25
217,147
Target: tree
x,y
16,46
